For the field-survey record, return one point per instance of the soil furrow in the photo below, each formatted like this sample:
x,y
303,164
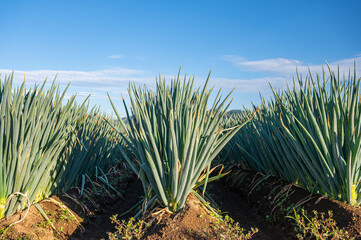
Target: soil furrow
x,y
100,224
236,206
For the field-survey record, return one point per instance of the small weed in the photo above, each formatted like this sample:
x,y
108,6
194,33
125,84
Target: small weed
x,y
288,209
45,224
225,229
318,227
60,215
129,230
4,230
5,234
64,214
58,232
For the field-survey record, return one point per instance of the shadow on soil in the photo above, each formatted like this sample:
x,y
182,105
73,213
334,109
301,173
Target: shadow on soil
x,y
99,225
236,206
229,201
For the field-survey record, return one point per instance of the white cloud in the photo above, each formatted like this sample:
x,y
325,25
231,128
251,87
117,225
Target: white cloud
x,y
116,56
105,79
116,80
288,67
253,85
282,71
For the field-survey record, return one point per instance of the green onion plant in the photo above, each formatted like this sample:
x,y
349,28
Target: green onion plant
x,y
45,145
174,136
309,134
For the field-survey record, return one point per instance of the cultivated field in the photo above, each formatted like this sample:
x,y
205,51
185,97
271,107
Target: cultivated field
x,y
181,166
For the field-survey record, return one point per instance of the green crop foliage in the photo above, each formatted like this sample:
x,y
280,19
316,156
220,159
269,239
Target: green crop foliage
x,y
33,133
309,134
174,137
91,144
45,145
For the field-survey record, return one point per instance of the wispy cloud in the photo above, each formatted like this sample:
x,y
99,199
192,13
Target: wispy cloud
x,y
112,79
116,80
283,66
116,56
282,71
252,85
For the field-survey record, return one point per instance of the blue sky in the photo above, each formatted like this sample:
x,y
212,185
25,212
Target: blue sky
x,y
102,45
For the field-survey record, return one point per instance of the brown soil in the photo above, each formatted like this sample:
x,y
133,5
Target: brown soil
x,y
234,204
70,213
183,225
249,198
274,199
193,222
34,226
98,226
